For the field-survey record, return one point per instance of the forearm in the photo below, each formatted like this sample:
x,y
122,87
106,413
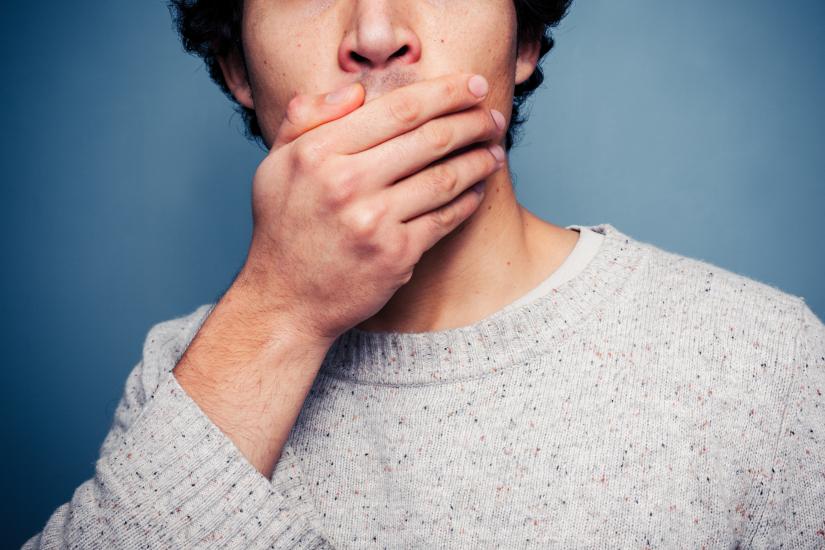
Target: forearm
x,y
169,477
250,369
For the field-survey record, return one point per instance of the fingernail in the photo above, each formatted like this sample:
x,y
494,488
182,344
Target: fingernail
x,y
499,118
478,85
497,152
338,96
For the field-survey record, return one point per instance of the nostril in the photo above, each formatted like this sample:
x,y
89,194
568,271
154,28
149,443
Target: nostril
x,y
358,58
401,51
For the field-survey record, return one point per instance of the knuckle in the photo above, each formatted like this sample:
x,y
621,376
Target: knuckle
x,y
444,179
449,90
438,136
296,109
444,218
400,270
341,188
305,154
405,109
363,222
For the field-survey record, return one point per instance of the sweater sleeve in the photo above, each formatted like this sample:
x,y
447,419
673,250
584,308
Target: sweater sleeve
x,y
794,516
167,477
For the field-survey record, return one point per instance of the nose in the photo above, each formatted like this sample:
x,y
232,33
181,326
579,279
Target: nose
x,y
378,37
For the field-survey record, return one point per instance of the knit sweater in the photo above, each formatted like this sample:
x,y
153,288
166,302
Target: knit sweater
x,y
651,401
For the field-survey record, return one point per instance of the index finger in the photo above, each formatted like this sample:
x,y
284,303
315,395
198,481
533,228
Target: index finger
x,y
402,110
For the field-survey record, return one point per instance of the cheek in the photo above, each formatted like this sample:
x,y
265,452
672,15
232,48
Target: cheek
x,y
315,8
485,37
276,67
479,47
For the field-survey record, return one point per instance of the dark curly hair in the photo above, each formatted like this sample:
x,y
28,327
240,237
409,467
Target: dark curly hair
x,y
212,28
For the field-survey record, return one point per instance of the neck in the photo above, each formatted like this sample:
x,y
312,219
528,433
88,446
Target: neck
x,y
494,257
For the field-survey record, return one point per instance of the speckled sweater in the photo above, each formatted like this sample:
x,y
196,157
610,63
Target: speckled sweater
x,y
651,401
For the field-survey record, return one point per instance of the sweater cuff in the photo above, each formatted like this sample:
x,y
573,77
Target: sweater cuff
x,y
183,481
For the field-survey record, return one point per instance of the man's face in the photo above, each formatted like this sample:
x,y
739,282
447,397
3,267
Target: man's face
x,y
316,46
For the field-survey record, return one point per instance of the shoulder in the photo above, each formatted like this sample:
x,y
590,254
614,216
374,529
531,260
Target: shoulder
x,y
729,314
715,315
715,294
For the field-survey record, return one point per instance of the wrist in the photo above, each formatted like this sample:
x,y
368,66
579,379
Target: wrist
x,y
276,322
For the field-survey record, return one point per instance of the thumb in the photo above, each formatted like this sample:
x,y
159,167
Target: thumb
x,y
304,112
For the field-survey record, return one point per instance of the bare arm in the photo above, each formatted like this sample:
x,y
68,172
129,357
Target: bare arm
x,y
343,209
167,477
250,372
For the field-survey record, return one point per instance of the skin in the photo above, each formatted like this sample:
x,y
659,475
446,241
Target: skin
x,y
502,250
363,210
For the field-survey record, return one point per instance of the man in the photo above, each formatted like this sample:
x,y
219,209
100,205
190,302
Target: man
x,y
409,357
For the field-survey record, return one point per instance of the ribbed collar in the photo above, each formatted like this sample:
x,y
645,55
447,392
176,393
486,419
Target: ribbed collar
x,y
504,338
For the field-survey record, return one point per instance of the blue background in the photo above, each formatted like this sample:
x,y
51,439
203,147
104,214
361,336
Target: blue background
x,y
696,126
